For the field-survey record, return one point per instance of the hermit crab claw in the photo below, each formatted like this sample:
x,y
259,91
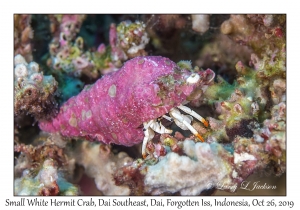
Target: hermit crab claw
x,y
207,76
177,116
194,114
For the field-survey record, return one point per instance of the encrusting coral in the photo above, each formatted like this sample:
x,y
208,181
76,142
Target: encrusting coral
x,y
200,23
203,165
256,31
34,93
245,114
68,54
66,27
252,140
23,35
152,99
132,38
43,170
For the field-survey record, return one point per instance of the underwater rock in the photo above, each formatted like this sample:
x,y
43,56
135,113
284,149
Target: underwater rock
x,y
202,168
43,170
101,164
34,93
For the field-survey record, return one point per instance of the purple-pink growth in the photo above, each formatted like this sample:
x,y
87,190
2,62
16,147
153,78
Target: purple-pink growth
x,y
114,108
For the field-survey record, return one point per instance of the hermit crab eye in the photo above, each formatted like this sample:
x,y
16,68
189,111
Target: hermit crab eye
x,y
193,78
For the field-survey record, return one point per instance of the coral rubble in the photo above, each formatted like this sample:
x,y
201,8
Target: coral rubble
x,y
100,163
43,170
202,167
69,55
23,35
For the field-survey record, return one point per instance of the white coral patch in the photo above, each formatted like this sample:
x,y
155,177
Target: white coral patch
x,y
242,157
234,174
21,70
201,169
258,138
19,59
33,66
200,23
135,48
102,166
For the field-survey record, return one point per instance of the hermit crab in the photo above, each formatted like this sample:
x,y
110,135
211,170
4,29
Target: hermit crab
x,y
122,107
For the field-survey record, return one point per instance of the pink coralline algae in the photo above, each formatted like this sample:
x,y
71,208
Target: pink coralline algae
x,y
114,108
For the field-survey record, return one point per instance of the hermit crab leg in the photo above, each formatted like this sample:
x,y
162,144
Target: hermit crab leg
x,y
147,124
179,123
194,114
149,134
168,118
180,118
159,128
149,128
